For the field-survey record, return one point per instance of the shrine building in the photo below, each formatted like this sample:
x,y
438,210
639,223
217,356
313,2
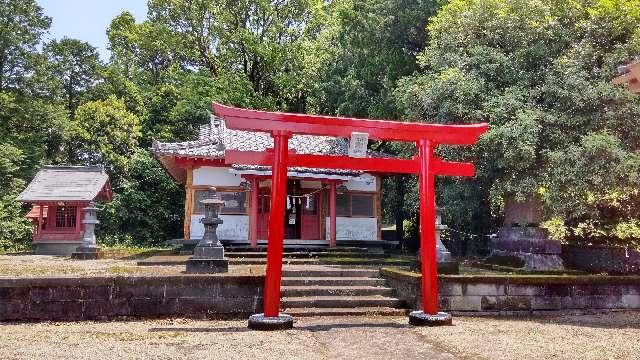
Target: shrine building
x,y
57,195
316,197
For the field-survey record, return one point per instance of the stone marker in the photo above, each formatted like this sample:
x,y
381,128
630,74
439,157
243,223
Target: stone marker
x,y
208,255
521,237
89,249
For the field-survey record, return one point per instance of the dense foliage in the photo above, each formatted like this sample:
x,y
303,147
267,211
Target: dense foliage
x,y
538,71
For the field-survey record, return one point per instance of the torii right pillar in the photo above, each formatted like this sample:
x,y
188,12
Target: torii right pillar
x,y
429,315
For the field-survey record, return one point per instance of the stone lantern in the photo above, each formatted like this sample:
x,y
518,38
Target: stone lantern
x,y
445,262
208,255
89,249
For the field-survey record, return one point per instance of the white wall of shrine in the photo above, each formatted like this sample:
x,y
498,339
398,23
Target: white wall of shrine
x,y
216,176
234,227
349,228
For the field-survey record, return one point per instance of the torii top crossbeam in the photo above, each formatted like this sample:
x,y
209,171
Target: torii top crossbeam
x,y
282,126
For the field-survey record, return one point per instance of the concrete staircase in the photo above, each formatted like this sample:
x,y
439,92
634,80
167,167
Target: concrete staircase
x,y
331,291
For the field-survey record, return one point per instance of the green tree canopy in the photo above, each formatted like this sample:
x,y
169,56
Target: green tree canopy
x,y
105,133
540,72
22,24
73,66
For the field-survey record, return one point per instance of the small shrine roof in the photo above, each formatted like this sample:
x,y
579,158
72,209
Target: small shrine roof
x,y
66,183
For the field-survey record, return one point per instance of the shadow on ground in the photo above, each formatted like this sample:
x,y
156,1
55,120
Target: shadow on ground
x,y
601,319
311,328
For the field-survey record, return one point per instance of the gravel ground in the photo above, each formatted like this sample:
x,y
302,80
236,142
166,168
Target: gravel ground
x,y
47,265
606,336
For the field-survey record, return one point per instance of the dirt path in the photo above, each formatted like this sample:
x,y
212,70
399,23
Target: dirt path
x,y
601,336
326,338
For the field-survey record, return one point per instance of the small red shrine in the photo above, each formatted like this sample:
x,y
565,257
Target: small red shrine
x,y
629,74
58,194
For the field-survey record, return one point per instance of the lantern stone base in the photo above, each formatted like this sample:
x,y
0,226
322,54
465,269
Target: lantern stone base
x,y
261,322
419,318
207,266
86,253
208,252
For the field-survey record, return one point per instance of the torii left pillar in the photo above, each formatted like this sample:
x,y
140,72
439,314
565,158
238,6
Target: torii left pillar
x,y
271,319
429,315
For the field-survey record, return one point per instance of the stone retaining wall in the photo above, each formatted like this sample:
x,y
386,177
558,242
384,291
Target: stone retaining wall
x,y
87,298
521,293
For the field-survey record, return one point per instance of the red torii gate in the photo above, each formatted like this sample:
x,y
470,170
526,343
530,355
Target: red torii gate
x,y
282,126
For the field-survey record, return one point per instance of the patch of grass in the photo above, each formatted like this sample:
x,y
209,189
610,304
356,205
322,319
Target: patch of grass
x,y
123,270
132,252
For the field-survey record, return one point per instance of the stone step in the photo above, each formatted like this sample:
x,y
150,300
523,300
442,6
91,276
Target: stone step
x,y
359,311
332,281
303,255
262,261
298,291
298,248
330,272
340,302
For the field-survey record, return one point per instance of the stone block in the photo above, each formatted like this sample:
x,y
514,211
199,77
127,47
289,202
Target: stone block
x,y
65,293
546,303
145,307
14,294
39,294
101,292
208,252
465,303
140,291
525,290
450,289
561,290
55,310
506,303
13,310
484,289
630,301
194,291
207,266
604,301
444,302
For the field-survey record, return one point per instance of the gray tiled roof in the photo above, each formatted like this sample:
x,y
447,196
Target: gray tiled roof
x,y
65,183
215,137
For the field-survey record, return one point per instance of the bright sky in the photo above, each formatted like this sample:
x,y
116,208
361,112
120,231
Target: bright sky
x,y
88,20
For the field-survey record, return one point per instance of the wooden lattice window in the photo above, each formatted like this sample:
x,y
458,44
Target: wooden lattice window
x,y
66,216
234,201
355,205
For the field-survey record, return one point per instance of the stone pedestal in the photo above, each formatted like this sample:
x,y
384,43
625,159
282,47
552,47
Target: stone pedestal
x,y
419,318
529,244
86,253
89,249
261,322
521,238
208,259
207,266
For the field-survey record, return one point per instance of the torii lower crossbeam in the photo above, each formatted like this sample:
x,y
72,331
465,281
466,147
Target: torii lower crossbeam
x,y
282,126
